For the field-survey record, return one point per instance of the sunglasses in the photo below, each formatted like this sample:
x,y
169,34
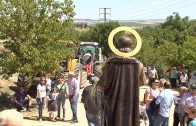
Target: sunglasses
x,y
43,80
156,82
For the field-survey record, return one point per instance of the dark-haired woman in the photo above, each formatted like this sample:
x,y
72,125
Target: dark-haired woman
x,y
41,95
61,89
152,92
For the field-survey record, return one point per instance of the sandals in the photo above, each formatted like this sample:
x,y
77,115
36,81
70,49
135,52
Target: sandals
x,y
57,118
53,120
64,119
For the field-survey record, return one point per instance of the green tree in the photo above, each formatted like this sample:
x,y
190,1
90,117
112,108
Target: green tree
x,y
187,54
178,26
169,44
33,30
99,33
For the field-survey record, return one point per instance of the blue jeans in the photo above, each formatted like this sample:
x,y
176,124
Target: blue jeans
x,y
41,105
61,100
162,121
150,117
93,119
74,105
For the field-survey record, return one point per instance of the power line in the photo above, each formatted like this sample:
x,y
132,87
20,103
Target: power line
x,y
104,13
170,10
165,7
114,5
128,6
133,7
135,11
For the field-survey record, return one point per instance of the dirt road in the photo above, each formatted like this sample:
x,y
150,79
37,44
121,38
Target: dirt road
x,y
30,118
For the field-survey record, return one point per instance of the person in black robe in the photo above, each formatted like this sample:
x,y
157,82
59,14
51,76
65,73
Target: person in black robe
x,y
120,80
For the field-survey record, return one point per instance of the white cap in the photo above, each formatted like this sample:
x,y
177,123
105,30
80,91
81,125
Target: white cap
x,y
71,73
163,80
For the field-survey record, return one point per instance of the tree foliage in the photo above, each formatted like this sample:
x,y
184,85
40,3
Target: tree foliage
x,y
33,30
99,33
187,54
171,43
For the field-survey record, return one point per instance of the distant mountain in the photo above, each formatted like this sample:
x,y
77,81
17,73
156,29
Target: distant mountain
x,y
131,23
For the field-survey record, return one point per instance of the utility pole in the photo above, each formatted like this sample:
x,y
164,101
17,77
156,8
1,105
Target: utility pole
x,y
104,13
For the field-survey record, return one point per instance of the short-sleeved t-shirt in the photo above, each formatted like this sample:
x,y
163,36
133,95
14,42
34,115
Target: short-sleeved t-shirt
x,y
154,93
48,82
60,90
190,101
152,73
174,74
192,123
42,88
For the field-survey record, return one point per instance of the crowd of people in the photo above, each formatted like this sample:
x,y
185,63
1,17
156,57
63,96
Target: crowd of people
x,y
155,108
92,102
51,95
158,99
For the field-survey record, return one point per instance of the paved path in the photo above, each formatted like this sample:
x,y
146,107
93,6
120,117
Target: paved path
x,y
30,118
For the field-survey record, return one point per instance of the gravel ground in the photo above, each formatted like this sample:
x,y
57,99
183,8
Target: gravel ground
x,y
30,118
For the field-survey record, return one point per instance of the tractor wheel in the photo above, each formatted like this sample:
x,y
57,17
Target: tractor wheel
x,y
97,70
77,70
81,75
66,77
83,79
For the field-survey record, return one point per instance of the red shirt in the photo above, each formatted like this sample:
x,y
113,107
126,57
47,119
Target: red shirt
x,y
88,68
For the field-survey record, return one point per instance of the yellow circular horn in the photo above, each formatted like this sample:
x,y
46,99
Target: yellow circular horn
x,y
123,54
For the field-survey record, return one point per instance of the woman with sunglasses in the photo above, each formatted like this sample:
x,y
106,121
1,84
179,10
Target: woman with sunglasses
x,y
41,95
152,92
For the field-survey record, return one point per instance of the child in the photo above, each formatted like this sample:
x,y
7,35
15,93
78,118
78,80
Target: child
x,y
193,116
143,114
52,105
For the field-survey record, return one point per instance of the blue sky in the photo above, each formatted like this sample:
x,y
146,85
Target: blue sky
x,y
134,9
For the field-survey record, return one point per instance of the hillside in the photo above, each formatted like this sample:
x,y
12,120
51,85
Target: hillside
x,y
129,23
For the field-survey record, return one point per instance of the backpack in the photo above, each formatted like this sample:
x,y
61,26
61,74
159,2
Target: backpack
x,y
154,108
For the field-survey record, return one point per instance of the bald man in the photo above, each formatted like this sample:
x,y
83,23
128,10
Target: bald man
x,y
11,118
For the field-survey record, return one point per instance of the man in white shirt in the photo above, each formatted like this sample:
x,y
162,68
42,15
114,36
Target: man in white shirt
x,y
48,84
152,74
